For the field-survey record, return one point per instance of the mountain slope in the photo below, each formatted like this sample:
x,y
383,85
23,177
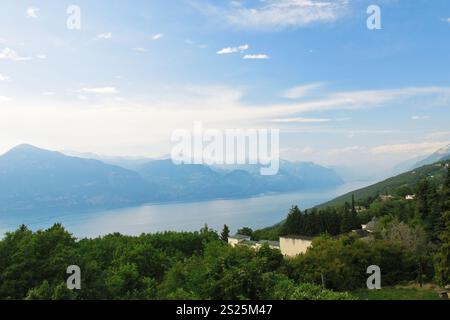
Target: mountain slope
x,y
33,178
435,172
440,155
37,179
198,182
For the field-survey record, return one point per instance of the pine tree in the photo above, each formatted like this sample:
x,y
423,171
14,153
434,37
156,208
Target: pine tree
x,y
294,224
422,209
446,191
442,257
225,233
353,204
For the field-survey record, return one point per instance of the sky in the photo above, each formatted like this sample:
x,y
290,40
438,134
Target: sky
x,y
135,71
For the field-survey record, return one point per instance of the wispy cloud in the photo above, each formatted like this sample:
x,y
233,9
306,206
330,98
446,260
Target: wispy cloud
x,y
10,54
259,56
157,36
5,99
420,117
229,50
278,14
4,78
141,50
104,36
301,91
414,148
32,12
308,120
100,90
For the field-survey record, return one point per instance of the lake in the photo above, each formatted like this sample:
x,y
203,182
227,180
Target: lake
x,y
256,212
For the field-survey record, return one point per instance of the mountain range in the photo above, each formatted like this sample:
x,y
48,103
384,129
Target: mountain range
x,y
440,155
36,179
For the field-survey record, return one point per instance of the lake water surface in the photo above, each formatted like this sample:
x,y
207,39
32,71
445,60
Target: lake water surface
x,y
257,212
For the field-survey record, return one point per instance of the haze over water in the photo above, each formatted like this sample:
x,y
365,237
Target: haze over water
x,y
256,212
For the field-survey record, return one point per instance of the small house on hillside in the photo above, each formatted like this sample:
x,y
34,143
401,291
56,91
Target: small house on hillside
x,y
386,197
237,239
410,197
243,240
291,246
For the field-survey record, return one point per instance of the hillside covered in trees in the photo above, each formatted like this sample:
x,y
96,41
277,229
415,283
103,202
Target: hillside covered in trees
x,y
410,242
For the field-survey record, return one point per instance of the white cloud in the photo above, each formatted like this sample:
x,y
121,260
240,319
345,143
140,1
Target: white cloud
x,y
157,36
101,90
4,78
308,120
412,148
142,50
48,93
278,14
256,56
302,120
32,12
42,56
439,134
301,91
10,54
105,36
229,50
5,99
420,117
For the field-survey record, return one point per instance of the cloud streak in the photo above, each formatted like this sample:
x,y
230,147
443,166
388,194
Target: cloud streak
x,y
230,50
10,54
277,14
32,12
100,90
256,56
416,148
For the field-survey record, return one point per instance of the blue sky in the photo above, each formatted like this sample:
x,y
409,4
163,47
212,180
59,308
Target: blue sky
x,y
137,70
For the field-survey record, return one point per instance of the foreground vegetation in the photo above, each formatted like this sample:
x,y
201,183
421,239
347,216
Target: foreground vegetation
x,y
161,266
411,242
398,293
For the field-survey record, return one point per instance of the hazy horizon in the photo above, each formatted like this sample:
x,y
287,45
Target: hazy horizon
x,y
341,94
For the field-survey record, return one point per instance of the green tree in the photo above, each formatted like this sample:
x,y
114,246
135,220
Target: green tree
x,y
294,222
225,233
245,231
442,257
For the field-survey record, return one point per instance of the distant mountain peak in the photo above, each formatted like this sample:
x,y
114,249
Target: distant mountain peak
x,y
25,147
444,150
440,155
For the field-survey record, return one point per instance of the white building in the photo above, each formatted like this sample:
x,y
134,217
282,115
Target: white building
x,y
292,246
237,239
240,239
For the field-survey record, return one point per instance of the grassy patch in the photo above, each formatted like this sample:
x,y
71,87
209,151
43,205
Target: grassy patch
x,y
398,293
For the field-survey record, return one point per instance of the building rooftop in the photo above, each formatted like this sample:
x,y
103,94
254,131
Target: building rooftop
x,y
297,237
240,237
270,243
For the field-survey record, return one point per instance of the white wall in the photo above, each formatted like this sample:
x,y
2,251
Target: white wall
x,y
292,246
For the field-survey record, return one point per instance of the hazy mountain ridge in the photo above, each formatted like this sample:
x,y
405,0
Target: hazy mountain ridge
x,y
406,181
440,155
33,178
